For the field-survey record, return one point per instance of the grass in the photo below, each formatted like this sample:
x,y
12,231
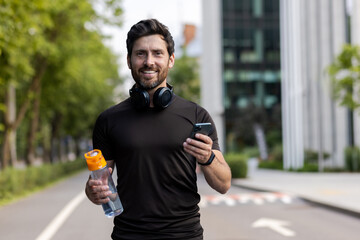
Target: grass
x,y
18,183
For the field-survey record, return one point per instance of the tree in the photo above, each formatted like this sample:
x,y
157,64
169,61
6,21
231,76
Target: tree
x,y
185,77
40,36
19,42
82,86
345,76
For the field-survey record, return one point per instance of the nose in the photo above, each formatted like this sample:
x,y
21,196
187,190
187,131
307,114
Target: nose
x,y
149,60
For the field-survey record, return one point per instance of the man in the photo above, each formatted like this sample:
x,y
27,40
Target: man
x,y
147,138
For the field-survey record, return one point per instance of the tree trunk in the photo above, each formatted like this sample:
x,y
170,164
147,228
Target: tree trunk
x,y
9,146
46,143
34,123
40,67
55,128
12,121
77,147
6,149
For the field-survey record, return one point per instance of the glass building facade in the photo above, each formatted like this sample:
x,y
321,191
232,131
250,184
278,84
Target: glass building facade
x,y
251,70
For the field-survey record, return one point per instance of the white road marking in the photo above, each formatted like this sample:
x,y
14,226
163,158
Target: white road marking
x,y
244,198
275,225
59,220
270,197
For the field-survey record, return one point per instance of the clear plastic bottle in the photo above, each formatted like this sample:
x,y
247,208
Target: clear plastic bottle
x,y
99,171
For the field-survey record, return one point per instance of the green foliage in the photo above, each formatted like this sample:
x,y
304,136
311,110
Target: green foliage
x,y
81,87
308,167
269,164
2,110
352,159
273,137
313,156
345,76
185,78
276,153
251,152
60,43
19,182
238,164
275,160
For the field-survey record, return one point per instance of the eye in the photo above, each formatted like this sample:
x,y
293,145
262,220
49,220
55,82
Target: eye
x,y
158,53
140,53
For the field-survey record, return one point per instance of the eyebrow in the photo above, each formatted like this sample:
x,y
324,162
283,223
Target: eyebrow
x,y
153,50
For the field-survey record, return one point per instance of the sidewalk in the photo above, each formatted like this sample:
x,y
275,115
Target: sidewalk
x,y
339,191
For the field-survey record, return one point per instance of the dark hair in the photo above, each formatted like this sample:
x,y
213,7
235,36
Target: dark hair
x,y
149,27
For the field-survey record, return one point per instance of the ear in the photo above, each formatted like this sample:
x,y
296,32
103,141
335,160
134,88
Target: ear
x,y
128,61
171,60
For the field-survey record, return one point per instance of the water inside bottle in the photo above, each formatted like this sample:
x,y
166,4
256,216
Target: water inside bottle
x,y
113,207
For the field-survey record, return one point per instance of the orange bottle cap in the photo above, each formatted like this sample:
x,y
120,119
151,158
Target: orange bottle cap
x,y
95,160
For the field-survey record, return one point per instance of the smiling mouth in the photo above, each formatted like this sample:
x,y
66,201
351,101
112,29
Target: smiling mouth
x,y
149,72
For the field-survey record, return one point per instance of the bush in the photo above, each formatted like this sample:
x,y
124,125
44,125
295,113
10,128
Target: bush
x,y
276,153
251,152
18,182
352,159
311,156
271,164
238,164
275,160
308,167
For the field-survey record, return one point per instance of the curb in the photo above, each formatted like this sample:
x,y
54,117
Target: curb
x,y
310,200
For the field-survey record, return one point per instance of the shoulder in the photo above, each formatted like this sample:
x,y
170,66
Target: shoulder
x,y
115,111
180,102
190,108
118,108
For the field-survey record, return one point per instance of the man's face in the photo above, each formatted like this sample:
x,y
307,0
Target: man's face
x,y
150,61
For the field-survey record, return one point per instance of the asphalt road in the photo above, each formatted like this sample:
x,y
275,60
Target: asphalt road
x,y
63,212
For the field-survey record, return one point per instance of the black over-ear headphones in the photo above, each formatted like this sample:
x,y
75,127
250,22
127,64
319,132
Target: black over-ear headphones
x,y
141,98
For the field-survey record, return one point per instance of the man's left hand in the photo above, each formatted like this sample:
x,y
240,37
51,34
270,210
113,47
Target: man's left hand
x,y
200,147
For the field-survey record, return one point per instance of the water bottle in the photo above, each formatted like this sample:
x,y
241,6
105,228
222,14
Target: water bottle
x,y
99,171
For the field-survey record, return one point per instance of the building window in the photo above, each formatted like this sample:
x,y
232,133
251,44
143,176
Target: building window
x,y
251,71
229,56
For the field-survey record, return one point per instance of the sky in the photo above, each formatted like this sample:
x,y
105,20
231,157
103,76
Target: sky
x,y
173,13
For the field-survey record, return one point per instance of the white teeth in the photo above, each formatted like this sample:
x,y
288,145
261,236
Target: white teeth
x,y
149,72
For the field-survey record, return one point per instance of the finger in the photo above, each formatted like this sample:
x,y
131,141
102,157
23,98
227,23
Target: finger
x,y
195,152
101,198
206,139
201,154
92,183
99,189
202,141
198,146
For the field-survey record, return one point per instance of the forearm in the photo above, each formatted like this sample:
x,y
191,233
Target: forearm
x,y
218,174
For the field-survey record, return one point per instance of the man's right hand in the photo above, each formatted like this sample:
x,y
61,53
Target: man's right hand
x,y
97,192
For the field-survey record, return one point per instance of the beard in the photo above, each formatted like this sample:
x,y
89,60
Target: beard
x,y
146,83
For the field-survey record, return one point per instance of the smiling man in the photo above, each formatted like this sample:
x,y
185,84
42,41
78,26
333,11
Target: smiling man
x,y
149,61
147,138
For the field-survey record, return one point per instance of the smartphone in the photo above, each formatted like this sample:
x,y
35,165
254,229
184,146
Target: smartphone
x,y
203,128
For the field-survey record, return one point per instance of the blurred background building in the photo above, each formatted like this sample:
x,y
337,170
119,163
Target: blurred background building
x,y
264,76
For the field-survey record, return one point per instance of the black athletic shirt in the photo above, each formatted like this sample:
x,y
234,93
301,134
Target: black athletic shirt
x,y
156,177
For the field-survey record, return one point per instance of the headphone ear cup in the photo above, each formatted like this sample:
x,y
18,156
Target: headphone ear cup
x,y
140,98
162,97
